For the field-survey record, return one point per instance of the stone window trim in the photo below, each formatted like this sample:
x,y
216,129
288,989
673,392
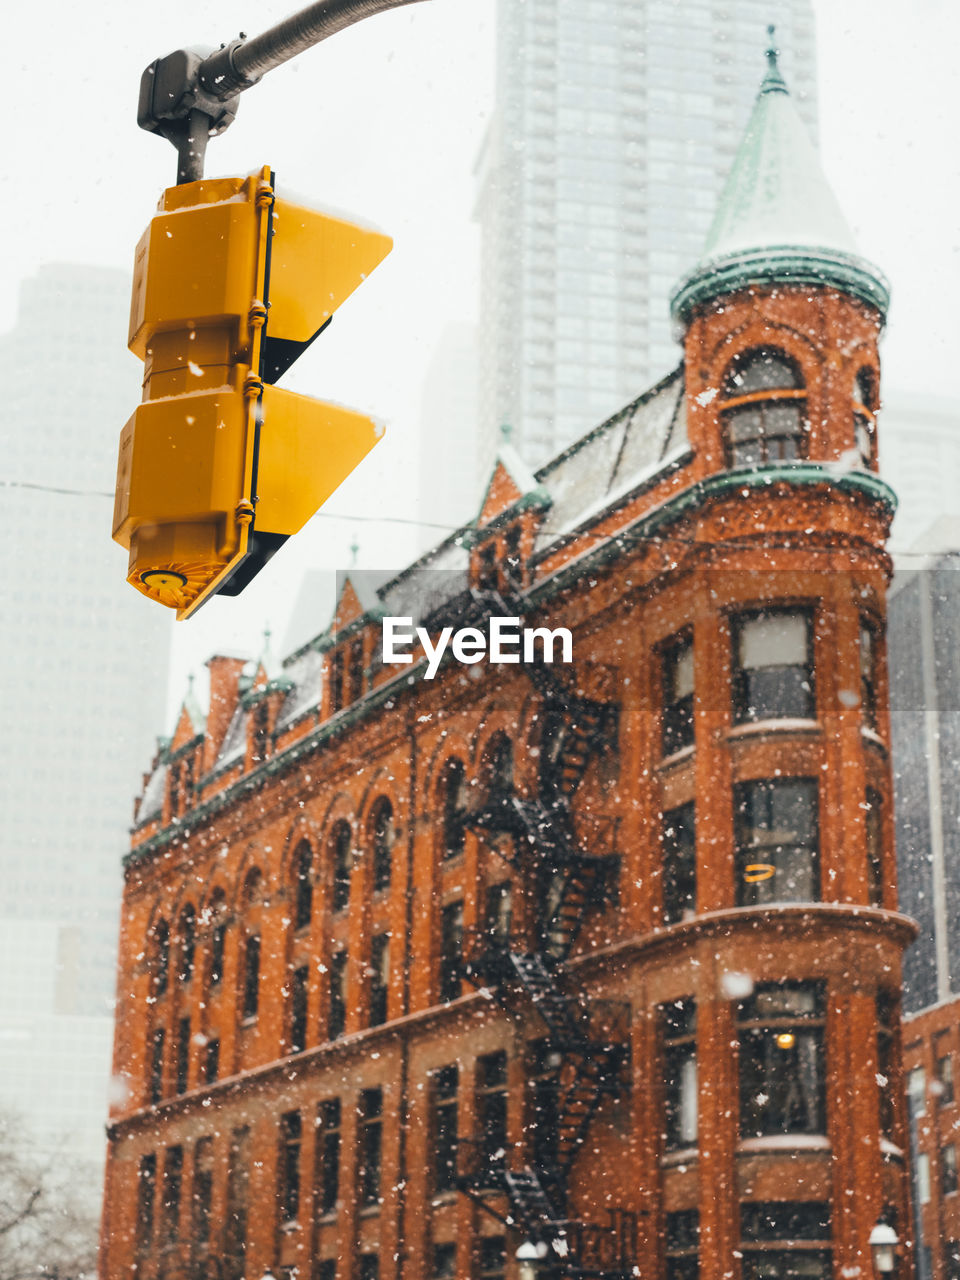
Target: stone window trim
x,y
763,408
763,688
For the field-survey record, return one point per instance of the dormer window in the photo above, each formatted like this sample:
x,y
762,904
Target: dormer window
x,y
260,732
763,409
864,419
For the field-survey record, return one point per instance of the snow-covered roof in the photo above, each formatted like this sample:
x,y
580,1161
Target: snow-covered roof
x,y
778,218
151,803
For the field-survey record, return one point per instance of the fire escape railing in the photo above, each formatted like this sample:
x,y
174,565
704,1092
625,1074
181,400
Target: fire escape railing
x,y
567,883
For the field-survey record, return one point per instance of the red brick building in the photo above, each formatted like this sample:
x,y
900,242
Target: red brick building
x,y
604,956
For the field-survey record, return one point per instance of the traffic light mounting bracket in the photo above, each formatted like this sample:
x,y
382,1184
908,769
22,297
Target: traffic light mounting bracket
x,y
191,95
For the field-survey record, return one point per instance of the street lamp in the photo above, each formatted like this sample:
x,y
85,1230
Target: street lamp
x,y
883,1241
530,1258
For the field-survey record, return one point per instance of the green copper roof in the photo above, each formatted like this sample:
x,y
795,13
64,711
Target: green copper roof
x,y
778,220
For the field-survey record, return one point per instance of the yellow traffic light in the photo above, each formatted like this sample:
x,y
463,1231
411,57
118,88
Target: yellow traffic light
x,y
217,466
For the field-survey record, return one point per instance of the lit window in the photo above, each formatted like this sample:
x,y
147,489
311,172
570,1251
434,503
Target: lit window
x,y
763,410
677,683
917,1092
773,666
777,847
923,1178
679,1021
782,1061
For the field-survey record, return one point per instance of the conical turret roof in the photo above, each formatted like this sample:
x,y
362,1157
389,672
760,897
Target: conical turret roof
x,y
778,219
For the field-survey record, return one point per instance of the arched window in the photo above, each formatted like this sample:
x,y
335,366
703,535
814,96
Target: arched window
x,y
342,861
187,941
763,409
161,957
381,824
453,790
303,890
864,416
214,918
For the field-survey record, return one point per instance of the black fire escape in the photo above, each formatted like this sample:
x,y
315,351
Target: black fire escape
x,y
584,1055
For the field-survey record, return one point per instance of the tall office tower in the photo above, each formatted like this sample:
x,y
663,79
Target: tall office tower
x,y
615,124
82,687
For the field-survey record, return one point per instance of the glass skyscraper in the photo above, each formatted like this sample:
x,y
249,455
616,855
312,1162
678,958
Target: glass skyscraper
x,y
615,124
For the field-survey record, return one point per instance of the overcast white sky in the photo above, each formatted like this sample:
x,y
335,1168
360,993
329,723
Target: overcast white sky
x,y
385,121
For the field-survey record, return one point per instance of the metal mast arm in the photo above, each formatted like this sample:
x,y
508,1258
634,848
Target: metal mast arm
x,y
192,94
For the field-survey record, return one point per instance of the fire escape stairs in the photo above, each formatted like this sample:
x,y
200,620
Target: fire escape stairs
x,y
545,847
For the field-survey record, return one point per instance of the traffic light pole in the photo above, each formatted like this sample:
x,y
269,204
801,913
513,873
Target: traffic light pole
x,y
192,94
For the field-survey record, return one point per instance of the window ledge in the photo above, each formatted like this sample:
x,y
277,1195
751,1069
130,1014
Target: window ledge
x,y
443,1197
784,1142
684,1155
871,735
249,1021
288,1228
676,757
888,1148
370,1210
785,724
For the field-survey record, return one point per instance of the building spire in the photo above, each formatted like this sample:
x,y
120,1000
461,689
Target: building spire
x,y
777,219
773,81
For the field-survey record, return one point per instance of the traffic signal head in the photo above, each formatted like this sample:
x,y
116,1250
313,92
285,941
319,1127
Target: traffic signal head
x,y
218,466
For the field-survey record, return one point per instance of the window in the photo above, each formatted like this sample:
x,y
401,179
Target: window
x,y
868,673
444,1098
763,409
355,669
886,1009
792,1223
369,1266
487,567
379,978
342,863
679,1022
188,942
202,1198
944,1073
156,1065
543,1079
917,1092
303,896
683,1245
383,838
288,1171
778,857
336,681
864,418
371,1138
217,942
183,1054
498,914
492,1108
513,558
451,951
773,666
497,770
493,1258
454,808
161,971
211,1066
679,864
326,1269
327,1171
444,1261
146,1195
337,1019
923,1178
238,1200
251,976
172,1184
299,996
873,820
782,1060
677,682
261,732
